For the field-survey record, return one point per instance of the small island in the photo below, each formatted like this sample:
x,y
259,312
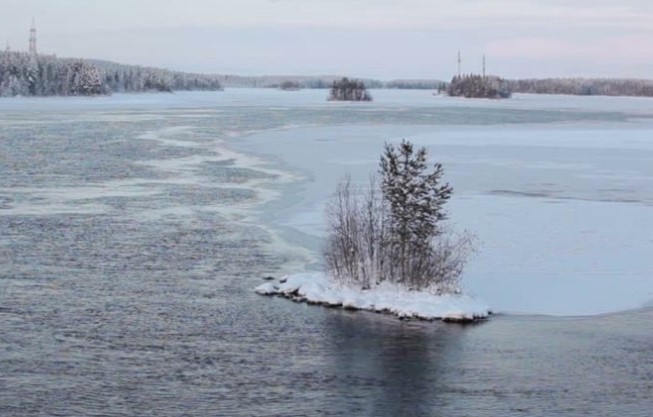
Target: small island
x,y
479,86
349,90
387,250
319,289
290,86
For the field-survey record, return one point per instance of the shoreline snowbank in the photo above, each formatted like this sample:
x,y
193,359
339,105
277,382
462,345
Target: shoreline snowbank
x,y
317,289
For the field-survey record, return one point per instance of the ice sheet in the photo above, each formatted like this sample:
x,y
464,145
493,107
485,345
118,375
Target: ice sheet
x,y
563,211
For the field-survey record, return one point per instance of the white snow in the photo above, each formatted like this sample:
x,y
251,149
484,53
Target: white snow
x,y
317,288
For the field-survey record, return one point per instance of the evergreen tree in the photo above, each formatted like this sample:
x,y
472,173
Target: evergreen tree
x,y
416,199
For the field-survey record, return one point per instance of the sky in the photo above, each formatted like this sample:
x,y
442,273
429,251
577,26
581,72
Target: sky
x,y
384,39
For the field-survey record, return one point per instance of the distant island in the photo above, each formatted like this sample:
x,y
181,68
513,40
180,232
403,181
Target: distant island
x,y
30,74
478,86
290,86
347,89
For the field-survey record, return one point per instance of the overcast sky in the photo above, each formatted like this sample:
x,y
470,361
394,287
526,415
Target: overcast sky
x,y
374,38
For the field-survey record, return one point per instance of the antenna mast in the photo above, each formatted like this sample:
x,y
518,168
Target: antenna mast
x,y
459,62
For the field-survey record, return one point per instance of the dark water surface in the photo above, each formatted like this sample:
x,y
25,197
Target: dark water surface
x,y
128,252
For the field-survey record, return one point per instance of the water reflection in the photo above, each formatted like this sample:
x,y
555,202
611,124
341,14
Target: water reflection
x,y
392,368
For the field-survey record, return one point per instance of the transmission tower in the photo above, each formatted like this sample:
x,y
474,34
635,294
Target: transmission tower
x,y
32,38
460,61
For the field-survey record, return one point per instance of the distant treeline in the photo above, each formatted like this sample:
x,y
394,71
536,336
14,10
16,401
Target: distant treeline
x,y
277,81
584,86
466,85
46,75
321,81
132,78
414,84
477,86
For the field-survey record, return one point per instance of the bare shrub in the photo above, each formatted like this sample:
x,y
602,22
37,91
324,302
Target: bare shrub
x,y
447,258
354,247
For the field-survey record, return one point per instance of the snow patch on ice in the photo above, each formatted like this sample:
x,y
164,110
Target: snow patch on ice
x,y
318,288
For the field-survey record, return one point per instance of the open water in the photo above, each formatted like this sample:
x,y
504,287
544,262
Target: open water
x,y
133,229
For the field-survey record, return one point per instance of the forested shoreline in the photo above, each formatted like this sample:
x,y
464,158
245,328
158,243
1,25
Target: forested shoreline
x,y
24,74
569,86
583,86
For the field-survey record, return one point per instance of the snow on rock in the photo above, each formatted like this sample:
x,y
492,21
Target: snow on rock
x,y
266,289
317,288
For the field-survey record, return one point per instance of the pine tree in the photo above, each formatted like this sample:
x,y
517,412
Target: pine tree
x,y
416,199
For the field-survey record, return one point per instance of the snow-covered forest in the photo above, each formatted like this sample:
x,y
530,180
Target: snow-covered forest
x,y
584,86
131,78
27,74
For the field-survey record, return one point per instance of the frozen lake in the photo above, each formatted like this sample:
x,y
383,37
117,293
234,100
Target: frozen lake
x,y
133,229
562,202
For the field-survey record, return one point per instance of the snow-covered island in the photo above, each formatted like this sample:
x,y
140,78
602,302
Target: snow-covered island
x,y
316,288
386,249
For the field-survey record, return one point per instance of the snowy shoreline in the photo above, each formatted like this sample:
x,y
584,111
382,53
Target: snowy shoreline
x,y
317,289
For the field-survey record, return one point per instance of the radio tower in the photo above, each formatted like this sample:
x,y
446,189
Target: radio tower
x,y
459,63
32,38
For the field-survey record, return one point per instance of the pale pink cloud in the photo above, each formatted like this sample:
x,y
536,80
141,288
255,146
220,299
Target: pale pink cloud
x,y
635,48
